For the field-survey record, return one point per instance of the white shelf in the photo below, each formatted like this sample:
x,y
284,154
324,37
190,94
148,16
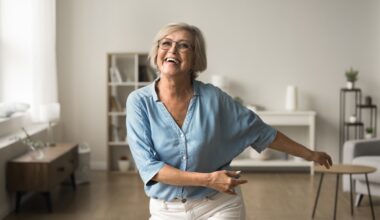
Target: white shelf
x,y
118,143
122,84
269,163
283,118
116,113
144,83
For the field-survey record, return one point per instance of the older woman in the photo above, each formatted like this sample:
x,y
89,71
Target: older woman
x,y
183,134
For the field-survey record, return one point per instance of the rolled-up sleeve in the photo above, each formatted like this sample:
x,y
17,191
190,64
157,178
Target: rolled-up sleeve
x,y
245,128
139,139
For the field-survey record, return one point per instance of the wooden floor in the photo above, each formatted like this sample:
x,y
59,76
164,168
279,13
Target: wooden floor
x,y
268,196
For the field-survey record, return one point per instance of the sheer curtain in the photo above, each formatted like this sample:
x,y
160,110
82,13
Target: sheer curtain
x,y
27,53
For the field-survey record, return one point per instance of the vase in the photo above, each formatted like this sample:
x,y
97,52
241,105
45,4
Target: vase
x,y
123,165
37,154
368,135
350,85
291,98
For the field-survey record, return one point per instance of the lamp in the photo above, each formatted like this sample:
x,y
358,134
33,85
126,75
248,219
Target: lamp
x,y
50,113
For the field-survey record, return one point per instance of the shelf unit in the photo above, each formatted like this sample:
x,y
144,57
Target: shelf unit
x,y
292,124
353,105
126,72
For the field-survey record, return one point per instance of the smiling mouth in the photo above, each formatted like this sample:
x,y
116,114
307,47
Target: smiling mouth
x,y
171,60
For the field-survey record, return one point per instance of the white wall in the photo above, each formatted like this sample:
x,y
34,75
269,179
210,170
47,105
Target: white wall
x,y
261,46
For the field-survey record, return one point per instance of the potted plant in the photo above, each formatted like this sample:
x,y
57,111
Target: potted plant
x,y
351,76
123,163
368,133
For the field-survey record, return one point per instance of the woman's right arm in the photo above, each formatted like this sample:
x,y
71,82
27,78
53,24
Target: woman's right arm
x,y
222,181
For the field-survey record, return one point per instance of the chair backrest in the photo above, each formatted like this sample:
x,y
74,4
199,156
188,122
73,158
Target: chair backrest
x,y
365,147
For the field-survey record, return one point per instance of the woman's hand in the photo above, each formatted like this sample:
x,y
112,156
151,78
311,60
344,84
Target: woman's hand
x,y
225,181
322,158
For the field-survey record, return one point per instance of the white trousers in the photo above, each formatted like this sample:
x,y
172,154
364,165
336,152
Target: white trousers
x,y
220,206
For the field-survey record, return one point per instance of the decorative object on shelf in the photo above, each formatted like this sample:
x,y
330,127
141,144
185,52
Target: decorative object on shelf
x,y
115,105
264,155
351,76
35,146
368,100
291,98
368,133
50,113
221,82
352,118
115,75
123,163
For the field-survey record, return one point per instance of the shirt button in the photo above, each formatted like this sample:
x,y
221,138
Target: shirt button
x,y
182,135
184,158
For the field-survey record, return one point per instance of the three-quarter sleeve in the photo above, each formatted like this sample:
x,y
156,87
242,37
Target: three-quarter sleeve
x,y
245,128
139,139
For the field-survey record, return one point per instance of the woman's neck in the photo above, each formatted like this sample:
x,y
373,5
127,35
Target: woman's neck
x,y
179,87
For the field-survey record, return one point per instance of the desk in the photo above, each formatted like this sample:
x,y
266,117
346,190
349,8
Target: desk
x,y
26,174
344,169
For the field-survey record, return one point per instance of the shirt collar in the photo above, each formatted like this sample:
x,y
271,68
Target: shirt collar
x,y
154,93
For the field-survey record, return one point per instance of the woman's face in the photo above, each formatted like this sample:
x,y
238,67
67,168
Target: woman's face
x,y
175,54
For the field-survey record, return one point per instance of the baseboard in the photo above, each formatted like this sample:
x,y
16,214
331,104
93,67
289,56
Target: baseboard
x,y
99,165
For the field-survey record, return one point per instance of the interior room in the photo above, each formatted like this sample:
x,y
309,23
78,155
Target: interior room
x,y
308,68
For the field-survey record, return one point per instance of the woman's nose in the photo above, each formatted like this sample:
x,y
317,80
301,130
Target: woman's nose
x,y
173,48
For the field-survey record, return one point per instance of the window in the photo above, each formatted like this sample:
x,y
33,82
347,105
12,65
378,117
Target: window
x,y
27,55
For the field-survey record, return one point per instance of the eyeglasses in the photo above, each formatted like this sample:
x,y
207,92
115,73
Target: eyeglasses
x,y
166,44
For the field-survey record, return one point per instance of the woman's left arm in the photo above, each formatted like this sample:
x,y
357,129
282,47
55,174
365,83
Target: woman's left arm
x,y
287,145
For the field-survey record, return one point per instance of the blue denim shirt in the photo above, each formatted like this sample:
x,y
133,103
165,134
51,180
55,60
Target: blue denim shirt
x,y
216,129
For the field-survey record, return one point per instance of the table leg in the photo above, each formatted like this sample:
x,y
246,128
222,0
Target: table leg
x,y
318,192
352,208
73,184
336,194
18,200
47,196
369,196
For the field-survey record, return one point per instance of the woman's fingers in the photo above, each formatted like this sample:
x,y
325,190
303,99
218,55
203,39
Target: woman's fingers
x,y
225,181
323,159
234,174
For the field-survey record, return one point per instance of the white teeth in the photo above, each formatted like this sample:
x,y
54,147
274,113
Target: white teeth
x,y
169,59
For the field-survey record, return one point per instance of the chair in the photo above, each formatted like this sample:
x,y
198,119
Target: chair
x,y
362,152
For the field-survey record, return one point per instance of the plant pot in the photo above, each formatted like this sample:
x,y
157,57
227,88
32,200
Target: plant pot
x,y
123,165
368,135
350,85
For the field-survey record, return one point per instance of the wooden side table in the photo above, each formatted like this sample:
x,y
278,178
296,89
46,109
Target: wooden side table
x,y
344,169
27,174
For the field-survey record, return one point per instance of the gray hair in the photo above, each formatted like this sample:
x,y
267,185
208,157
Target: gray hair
x,y
200,59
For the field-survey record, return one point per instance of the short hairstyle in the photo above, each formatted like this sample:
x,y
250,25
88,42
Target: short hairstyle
x,y
200,59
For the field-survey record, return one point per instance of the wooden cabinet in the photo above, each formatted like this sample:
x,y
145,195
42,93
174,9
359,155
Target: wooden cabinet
x,y
26,174
126,73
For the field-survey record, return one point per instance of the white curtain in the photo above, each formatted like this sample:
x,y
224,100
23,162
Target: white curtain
x,y
27,52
